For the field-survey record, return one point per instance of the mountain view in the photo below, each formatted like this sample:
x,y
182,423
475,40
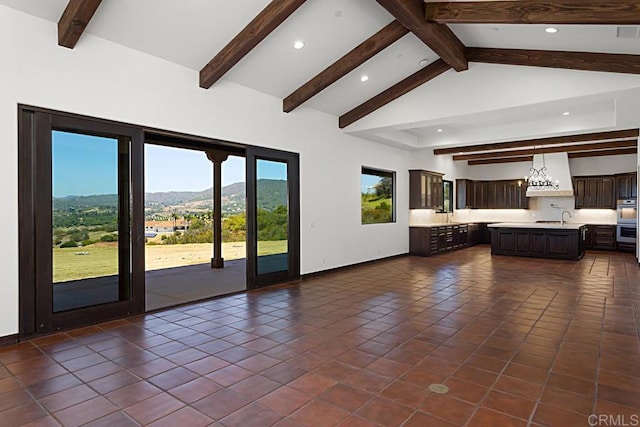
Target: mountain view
x,y
271,194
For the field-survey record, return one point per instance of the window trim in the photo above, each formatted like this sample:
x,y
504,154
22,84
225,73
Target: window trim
x,y
384,173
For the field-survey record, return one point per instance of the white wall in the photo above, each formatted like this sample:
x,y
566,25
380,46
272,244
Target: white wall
x,y
101,79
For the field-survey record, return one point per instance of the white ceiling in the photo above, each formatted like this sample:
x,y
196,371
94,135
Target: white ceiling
x,y
190,33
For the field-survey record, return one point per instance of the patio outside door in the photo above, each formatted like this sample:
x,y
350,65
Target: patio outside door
x,y
273,217
87,230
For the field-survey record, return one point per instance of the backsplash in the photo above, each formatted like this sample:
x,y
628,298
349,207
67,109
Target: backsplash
x,y
540,209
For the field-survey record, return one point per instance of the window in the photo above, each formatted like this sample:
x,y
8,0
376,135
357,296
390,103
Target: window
x,y
377,196
447,192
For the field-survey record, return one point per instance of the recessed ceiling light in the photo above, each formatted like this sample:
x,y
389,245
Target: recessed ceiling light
x,y
338,13
364,78
298,45
566,113
440,130
551,30
423,62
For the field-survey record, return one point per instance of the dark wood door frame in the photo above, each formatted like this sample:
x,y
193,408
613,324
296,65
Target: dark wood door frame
x,y
33,121
34,201
293,186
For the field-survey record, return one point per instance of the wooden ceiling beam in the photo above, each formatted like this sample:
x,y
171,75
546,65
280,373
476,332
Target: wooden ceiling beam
x,y
429,72
74,20
585,61
599,153
438,37
535,12
627,143
343,66
553,140
257,30
500,160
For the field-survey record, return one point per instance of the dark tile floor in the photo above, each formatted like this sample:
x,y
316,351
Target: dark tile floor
x,y
517,341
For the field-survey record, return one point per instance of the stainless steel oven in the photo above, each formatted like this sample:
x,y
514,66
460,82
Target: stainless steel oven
x,y
626,233
627,212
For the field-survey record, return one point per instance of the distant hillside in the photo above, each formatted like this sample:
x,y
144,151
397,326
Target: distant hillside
x,y
84,202
271,194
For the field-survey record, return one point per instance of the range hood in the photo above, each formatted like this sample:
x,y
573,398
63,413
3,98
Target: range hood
x,y
557,165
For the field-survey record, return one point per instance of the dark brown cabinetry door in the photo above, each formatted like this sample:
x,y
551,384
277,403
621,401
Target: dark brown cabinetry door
x,y
580,189
627,186
604,236
598,192
593,192
607,198
425,190
503,194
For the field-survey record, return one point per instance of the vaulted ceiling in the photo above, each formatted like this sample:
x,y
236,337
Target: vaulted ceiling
x,y
398,44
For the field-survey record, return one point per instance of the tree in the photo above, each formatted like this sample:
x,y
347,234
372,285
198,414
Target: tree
x,y
175,217
384,188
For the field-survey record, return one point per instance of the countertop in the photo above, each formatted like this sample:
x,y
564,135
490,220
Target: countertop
x,y
443,224
541,225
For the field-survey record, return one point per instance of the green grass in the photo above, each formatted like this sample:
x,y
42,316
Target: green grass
x,y
373,202
102,259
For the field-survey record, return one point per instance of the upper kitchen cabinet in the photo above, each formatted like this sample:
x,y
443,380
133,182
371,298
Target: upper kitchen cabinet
x,y
627,185
502,194
425,190
595,192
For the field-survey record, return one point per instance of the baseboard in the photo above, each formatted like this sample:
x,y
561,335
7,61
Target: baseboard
x,y
8,340
350,266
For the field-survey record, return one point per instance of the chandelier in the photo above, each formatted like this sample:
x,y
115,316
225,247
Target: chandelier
x,y
538,178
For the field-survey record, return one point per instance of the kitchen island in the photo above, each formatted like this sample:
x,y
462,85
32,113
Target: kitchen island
x,y
541,240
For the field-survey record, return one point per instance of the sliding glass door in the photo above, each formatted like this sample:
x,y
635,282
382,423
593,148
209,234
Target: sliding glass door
x,y
273,217
86,183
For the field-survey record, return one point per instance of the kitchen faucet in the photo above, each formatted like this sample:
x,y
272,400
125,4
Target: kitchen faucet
x,y
562,217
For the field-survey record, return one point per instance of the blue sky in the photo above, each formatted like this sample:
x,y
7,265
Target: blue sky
x,y
86,165
176,169
83,165
368,182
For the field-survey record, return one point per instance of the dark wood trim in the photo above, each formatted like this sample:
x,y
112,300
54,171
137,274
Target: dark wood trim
x,y
419,78
156,135
349,62
438,37
585,61
8,340
600,153
255,280
535,12
350,266
555,149
554,140
26,231
276,12
74,21
500,160
36,296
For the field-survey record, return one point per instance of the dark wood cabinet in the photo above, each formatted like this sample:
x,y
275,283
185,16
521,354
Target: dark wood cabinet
x,y
425,190
627,186
503,194
426,241
541,243
608,195
604,237
595,192
600,237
